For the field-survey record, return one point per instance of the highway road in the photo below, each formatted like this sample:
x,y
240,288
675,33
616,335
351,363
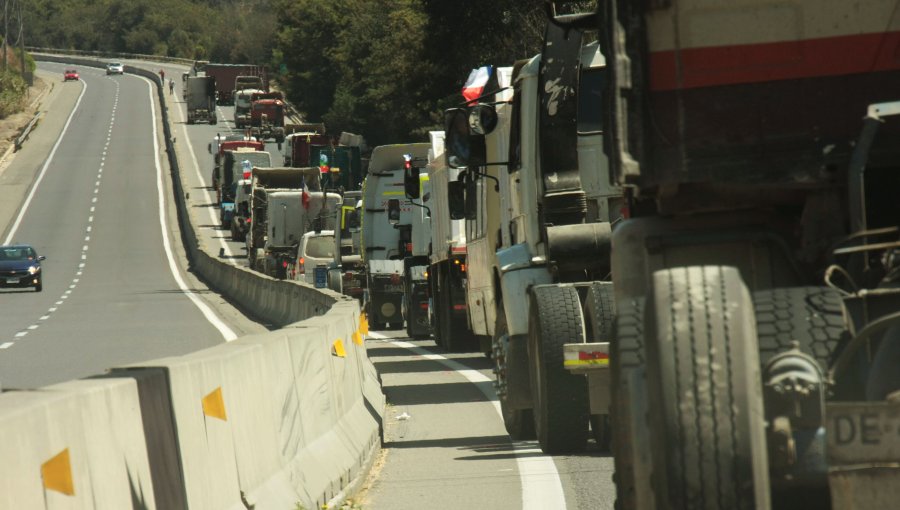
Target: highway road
x,y
94,198
445,445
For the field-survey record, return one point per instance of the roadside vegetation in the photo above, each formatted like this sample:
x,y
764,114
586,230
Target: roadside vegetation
x,y
13,88
381,68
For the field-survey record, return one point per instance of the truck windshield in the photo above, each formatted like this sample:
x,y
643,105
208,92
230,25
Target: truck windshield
x,y
320,247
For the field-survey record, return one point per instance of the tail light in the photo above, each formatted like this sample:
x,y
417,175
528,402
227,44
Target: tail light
x,y
300,268
395,278
423,305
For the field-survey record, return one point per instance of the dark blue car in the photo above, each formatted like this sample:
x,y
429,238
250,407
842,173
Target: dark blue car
x,y
20,266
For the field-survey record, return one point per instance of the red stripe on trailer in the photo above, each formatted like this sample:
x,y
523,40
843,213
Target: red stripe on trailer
x,y
458,249
754,63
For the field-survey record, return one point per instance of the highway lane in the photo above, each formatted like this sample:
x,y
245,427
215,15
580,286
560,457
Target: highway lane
x,y
98,209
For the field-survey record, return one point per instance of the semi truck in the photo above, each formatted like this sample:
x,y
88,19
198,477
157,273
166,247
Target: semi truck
x,y
386,231
222,143
226,74
296,149
540,207
448,265
416,295
285,203
755,280
347,274
243,101
235,163
267,117
200,99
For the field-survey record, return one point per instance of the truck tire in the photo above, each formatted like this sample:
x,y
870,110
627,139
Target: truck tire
x,y
628,412
708,430
560,398
519,423
599,316
811,316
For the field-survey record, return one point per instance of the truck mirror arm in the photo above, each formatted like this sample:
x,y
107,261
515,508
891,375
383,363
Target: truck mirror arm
x,y
479,174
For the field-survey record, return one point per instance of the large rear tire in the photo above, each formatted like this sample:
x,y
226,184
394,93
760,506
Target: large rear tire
x,y
561,409
519,423
599,316
708,431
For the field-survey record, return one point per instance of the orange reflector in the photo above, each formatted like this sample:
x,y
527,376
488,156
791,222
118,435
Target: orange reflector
x,y
57,474
357,338
214,405
363,324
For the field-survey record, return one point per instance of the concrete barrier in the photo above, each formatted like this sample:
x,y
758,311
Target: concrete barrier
x,y
267,421
78,444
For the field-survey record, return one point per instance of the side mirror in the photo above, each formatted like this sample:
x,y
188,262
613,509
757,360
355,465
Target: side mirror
x,y
41,257
456,194
461,148
393,211
482,119
471,199
411,178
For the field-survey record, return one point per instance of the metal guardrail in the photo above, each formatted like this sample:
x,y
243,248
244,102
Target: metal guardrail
x,y
27,131
110,54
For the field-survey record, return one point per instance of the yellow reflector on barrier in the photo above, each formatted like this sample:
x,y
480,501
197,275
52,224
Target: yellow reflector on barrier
x,y
214,405
57,474
363,324
357,338
338,348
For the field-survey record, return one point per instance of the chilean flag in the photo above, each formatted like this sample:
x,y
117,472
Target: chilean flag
x,y
476,82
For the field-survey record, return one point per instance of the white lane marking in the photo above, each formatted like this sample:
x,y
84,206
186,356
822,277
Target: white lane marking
x,y
52,309
89,228
94,200
33,327
44,317
20,334
92,210
224,330
37,182
6,345
208,197
75,280
87,238
84,248
58,303
541,486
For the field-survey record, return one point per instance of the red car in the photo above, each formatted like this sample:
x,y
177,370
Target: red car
x,y
70,74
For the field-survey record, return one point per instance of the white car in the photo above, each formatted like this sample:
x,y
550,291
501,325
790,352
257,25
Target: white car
x,y
115,68
316,249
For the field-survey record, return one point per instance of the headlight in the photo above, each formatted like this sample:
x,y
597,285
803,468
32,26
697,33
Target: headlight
x,y
34,270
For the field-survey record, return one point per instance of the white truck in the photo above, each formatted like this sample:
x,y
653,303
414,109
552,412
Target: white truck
x,y
285,203
448,265
200,98
550,225
386,231
243,99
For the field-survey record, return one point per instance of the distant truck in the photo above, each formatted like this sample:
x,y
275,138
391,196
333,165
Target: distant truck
x,y
387,231
448,265
296,149
234,164
201,99
226,74
267,117
243,100
221,144
240,220
347,274
285,203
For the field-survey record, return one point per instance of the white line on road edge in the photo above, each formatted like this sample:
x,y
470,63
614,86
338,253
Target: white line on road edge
x,y
541,487
37,182
212,211
226,332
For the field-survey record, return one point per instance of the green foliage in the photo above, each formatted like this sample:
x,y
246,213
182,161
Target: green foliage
x,y
382,68
12,92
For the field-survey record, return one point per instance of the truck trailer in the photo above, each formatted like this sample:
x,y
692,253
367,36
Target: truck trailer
x,y
226,74
200,99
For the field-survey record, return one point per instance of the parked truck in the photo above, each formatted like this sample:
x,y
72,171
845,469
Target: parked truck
x,y
448,265
225,76
222,143
386,231
285,203
755,281
416,293
235,163
200,99
538,194
347,274
267,117
297,144
243,101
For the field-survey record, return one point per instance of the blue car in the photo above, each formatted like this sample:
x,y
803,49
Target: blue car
x,y
20,266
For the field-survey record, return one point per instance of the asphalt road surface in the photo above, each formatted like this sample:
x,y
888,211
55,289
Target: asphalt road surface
x,y
95,200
